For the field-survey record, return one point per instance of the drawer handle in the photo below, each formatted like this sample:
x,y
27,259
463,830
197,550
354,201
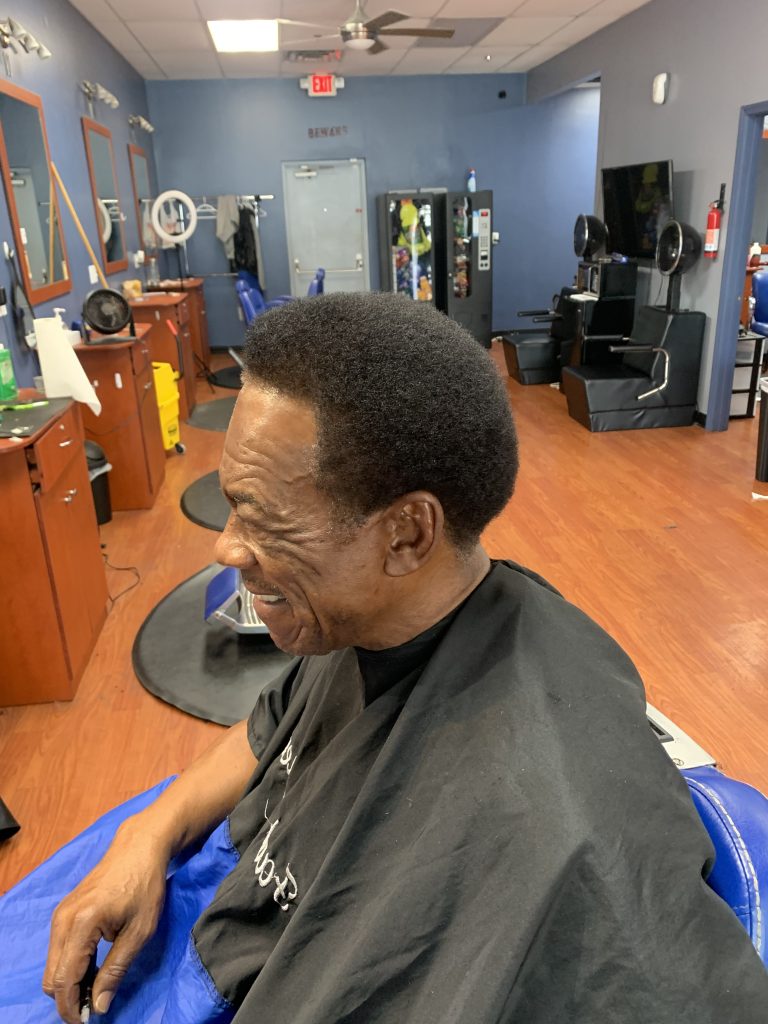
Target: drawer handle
x,y
148,385
66,444
72,491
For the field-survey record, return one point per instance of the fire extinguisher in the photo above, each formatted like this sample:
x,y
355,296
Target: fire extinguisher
x,y
714,218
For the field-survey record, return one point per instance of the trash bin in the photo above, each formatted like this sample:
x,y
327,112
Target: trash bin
x,y
98,468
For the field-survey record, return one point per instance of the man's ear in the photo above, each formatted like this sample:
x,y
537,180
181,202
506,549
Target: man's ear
x,y
415,524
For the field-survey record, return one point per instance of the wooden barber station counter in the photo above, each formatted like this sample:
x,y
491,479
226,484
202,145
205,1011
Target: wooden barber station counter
x,y
171,339
55,599
198,316
128,428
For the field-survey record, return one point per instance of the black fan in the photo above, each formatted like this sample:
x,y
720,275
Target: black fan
x,y
677,250
590,236
107,311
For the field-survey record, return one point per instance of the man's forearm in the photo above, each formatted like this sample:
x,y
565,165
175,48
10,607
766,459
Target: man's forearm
x,y
200,798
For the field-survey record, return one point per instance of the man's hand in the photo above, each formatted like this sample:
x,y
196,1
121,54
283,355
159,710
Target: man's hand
x,y
121,901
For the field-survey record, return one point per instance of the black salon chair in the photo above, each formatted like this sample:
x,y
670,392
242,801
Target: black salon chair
x,y
656,383
536,355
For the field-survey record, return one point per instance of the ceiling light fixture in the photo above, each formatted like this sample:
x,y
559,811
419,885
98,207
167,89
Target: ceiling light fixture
x,y
257,35
360,42
137,121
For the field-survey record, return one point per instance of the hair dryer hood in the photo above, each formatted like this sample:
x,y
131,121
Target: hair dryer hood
x,y
678,248
590,236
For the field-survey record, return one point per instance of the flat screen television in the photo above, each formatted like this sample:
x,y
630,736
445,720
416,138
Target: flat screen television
x,y
637,203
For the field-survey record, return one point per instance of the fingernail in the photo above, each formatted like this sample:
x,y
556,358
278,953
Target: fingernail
x,y
102,1003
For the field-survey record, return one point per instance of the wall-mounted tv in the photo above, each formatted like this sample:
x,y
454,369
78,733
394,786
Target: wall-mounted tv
x,y
637,202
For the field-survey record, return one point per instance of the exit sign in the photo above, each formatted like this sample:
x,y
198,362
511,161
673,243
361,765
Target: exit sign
x,y
322,85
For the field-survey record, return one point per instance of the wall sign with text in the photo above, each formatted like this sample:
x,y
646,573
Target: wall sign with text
x,y
328,131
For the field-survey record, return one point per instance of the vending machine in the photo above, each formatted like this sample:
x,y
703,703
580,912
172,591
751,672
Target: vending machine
x,y
435,247
469,263
412,244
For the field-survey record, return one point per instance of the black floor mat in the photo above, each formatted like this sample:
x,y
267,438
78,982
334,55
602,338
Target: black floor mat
x,y
213,415
204,504
228,377
208,671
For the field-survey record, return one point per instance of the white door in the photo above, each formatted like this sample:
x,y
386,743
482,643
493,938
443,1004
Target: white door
x,y
327,224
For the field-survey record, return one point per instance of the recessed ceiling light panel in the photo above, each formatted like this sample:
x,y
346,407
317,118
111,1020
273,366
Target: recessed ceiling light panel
x,y
244,36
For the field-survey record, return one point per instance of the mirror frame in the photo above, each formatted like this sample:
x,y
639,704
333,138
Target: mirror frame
x,y
90,125
134,150
40,293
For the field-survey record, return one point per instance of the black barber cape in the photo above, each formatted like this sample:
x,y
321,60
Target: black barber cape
x,y
496,836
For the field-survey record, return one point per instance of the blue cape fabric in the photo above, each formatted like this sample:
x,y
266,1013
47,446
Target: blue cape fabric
x,y
167,984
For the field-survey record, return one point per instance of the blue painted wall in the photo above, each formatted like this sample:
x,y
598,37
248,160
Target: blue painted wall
x,y
79,52
217,137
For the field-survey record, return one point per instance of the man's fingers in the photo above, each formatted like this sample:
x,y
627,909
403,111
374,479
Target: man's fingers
x,y
58,930
71,967
115,966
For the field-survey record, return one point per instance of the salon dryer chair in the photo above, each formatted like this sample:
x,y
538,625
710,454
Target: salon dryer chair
x,y
655,385
536,355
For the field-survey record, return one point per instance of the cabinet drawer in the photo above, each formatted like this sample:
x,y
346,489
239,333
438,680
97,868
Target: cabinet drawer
x,y
55,449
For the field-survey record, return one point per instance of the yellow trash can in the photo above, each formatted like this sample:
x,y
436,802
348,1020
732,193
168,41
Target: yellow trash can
x,y
167,392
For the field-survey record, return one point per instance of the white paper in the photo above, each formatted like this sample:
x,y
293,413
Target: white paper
x,y
63,375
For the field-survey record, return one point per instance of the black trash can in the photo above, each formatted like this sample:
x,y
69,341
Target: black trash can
x,y
98,468
761,469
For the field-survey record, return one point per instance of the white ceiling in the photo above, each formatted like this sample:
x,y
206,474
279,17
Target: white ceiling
x,y
165,39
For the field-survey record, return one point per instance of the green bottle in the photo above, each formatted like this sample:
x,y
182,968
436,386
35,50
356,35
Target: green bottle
x,y
8,389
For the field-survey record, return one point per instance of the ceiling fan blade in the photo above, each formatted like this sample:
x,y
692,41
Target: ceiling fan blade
x,y
305,24
387,18
429,33
377,47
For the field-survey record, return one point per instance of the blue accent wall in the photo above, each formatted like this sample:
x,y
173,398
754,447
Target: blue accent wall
x,y
220,137
79,52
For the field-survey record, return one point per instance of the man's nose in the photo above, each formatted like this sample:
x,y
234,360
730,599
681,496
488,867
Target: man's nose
x,y
230,550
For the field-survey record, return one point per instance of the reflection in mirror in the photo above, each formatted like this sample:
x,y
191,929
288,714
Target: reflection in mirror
x,y
143,196
106,197
31,195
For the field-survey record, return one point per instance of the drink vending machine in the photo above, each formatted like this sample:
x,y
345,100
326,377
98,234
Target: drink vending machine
x,y
435,246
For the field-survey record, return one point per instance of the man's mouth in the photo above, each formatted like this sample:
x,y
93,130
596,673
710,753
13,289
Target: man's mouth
x,y
264,596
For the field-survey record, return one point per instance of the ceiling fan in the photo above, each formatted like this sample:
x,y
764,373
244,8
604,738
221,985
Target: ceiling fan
x,y
359,32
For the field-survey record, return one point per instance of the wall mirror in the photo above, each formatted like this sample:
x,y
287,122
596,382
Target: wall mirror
x,y
31,195
143,196
106,196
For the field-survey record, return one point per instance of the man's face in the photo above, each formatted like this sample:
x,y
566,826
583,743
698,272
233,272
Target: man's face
x,y
316,588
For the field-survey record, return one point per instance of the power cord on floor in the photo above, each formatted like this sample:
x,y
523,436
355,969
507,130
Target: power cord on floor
x,y
120,568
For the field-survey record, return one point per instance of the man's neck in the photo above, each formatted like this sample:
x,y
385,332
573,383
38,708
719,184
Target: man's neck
x,y
429,595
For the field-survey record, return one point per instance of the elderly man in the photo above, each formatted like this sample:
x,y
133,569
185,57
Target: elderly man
x,y
419,824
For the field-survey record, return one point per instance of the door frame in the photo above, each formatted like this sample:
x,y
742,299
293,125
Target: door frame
x,y
751,118
309,164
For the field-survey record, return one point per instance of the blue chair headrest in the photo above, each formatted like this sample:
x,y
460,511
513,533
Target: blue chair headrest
x,y
736,818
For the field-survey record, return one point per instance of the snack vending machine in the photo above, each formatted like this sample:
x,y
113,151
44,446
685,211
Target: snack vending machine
x,y
469,264
412,244
436,247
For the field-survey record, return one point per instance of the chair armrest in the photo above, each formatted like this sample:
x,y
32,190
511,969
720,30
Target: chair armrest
x,y
534,312
546,319
525,330
648,348
631,348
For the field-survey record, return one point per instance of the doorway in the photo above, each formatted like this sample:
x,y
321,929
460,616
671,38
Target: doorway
x,y
743,191
327,224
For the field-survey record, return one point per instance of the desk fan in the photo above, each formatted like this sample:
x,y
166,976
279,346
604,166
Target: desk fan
x,y
678,248
107,312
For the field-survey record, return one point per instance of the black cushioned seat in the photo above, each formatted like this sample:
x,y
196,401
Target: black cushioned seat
x,y
535,356
608,397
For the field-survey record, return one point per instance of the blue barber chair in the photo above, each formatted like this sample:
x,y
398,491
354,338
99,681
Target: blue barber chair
x,y
316,285
759,322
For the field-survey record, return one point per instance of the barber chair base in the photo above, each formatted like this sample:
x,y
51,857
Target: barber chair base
x,y
213,415
532,360
204,504
208,671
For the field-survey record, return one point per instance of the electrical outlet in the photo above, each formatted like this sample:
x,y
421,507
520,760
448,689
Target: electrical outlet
x,y
93,275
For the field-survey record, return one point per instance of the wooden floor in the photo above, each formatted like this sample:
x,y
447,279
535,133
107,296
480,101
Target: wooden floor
x,y
654,533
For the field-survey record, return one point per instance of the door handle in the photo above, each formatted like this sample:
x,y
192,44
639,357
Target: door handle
x,y
359,260
66,444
